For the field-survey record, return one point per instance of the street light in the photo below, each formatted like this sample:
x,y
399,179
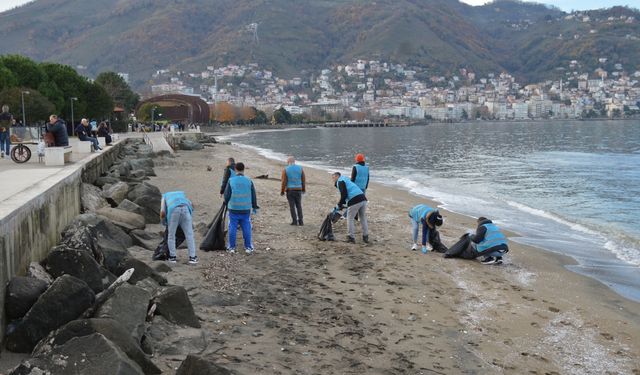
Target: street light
x,y
24,118
73,125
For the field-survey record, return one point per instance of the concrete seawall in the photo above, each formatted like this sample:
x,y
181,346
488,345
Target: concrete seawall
x,y
31,221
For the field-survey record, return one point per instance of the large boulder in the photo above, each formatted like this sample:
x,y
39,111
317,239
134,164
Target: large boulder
x,y
109,235
116,193
22,293
83,238
109,328
174,305
141,271
148,197
38,272
80,264
195,365
147,240
128,305
167,338
144,164
187,144
91,198
93,354
66,299
144,189
124,219
106,180
127,205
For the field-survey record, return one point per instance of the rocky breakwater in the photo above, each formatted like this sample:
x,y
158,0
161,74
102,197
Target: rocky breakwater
x,y
93,306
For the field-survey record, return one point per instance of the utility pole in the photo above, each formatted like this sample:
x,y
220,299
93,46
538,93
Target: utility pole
x,y
73,124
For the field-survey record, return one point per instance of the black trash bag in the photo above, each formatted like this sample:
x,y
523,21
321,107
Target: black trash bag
x,y
436,243
162,251
461,249
326,229
215,239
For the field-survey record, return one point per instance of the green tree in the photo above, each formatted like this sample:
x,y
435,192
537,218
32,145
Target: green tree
x,y
7,78
51,91
118,89
282,116
261,117
37,106
70,85
28,73
98,102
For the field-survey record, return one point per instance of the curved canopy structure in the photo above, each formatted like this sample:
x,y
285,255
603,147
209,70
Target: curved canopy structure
x,y
185,108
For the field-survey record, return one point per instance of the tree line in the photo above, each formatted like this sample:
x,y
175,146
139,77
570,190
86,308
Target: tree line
x,y
50,88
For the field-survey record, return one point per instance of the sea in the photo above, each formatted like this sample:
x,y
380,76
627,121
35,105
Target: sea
x,y
571,187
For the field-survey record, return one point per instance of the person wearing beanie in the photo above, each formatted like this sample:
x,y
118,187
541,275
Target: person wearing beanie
x,y
360,173
429,218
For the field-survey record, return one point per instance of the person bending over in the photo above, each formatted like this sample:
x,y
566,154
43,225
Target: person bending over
x,y
428,218
355,200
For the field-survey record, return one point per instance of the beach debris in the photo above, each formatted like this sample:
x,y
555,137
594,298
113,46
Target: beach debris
x,y
262,177
209,168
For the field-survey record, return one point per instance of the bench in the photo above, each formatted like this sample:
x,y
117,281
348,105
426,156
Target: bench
x,y
102,141
55,156
81,147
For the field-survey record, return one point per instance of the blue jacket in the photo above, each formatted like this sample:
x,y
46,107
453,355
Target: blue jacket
x,y
59,131
360,175
489,238
240,195
350,193
173,199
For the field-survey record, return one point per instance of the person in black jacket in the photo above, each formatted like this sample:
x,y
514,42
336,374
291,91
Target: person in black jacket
x,y
58,128
229,171
84,134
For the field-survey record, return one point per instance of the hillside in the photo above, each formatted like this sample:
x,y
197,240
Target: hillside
x,y
141,36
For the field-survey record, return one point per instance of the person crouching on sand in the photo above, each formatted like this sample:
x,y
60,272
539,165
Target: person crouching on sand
x,y
352,196
429,218
488,241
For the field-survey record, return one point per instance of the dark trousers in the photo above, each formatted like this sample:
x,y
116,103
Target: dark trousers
x,y
295,205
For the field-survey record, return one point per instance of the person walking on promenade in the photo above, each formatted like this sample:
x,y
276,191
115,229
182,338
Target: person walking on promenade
x,y
229,171
293,183
429,218
84,134
355,200
176,210
360,173
489,241
6,119
240,198
58,128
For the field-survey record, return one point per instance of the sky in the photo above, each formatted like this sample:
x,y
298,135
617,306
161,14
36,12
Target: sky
x,y
566,5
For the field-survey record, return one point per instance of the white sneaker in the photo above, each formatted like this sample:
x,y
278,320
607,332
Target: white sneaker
x,y
414,247
249,250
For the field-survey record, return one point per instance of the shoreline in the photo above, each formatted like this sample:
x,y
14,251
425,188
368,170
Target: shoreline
x,y
302,305
574,265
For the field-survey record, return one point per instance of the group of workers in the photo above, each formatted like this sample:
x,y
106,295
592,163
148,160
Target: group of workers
x,y
239,196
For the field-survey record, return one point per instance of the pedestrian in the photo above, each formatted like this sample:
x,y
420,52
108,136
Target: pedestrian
x,y
58,128
240,198
176,210
293,183
94,129
355,200
489,241
103,131
6,119
84,134
229,171
428,218
360,173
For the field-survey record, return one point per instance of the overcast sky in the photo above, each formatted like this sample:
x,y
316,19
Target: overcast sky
x,y
566,5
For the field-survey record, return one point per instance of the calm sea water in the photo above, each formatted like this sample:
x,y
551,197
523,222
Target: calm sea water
x,y
570,187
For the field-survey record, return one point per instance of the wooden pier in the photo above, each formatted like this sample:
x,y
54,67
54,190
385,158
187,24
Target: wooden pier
x,y
364,124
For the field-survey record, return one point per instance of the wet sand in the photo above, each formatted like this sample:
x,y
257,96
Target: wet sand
x,y
302,306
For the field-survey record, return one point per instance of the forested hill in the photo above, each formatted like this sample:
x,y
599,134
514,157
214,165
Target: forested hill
x,y
288,36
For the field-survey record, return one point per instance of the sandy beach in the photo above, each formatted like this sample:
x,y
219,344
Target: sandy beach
x,y
302,306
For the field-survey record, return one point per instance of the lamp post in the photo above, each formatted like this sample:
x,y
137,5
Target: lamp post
x,y
153,111
73,124
24,118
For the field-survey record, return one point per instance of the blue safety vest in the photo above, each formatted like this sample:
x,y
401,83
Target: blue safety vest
x,y
352,189
294,176
175,199
420,212
493,237
362,176
240,193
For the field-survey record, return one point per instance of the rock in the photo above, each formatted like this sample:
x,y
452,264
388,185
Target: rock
x,y
109,328
109,235
150,285
22,293
128,305
161,267
187,144
144,189
91,198
37,271
123,169
169,339
63,302
124,219
142,271
116,193
83,238
127,205
93,354
174,305
148,197
144,164
80,264
138,174
105,180
145,239
195,365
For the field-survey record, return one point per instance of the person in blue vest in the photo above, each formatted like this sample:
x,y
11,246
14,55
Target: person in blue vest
x,y
355,200
293,183
240,198
176,210
489,241
360,173
229,171
429,218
